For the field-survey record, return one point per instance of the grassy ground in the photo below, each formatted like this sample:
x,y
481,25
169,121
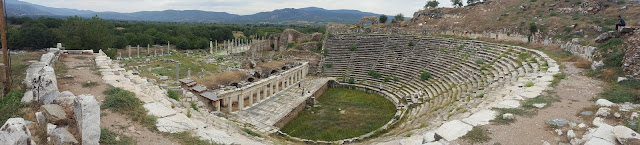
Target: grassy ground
x,y
342,113
168,68
19,64
125,102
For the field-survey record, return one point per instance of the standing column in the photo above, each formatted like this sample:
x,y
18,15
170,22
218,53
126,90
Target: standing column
x,y
177,72
217,45
189,72
148,46
251,97
129,47
155,53
230,105
138,51
168,47
210,47
218,105
271,89
240,102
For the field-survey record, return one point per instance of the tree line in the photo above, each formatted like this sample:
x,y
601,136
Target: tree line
x,y
25,33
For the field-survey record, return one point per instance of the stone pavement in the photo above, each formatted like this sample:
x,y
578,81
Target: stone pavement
x,y
265,114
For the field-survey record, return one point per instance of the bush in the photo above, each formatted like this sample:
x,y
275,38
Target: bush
x,y
374,74
173,95
383,19
410,43
250,132
194,106
425,75
387,79
353,47
328,65
529,84
111,53
479,61
10,105
352,80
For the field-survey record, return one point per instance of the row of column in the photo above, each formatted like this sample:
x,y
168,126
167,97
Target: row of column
x,y
155,53
231,46
261,92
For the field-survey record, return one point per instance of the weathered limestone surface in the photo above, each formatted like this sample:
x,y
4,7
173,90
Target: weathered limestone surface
x,y
15,132
481,117
54,113
452,130
62,136
87,113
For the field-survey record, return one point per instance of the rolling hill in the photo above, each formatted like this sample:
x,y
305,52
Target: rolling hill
x,y
309,15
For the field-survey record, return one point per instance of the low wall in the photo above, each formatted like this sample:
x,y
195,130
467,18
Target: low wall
x,y
334,84
294,112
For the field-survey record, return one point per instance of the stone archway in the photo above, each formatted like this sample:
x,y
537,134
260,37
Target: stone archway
x,y
372,19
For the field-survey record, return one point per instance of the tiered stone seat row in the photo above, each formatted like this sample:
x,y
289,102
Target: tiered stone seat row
x,y
455,74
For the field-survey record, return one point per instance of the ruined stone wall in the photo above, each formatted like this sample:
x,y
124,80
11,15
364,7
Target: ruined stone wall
x,y
631,62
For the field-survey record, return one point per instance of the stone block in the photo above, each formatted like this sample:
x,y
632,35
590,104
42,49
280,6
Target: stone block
x,y
62,136
15,132
481,117
452,130
54,114
87,113
48,98
41,119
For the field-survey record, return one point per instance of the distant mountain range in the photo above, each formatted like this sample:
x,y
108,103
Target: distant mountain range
x,y
310,15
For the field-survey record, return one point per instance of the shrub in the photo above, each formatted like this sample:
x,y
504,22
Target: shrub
x,y
374,74
383,19
328,65
194,106
173,95
111,53
432,4
410,43
353,47
479,61
425,75
529,84
386,79
352,80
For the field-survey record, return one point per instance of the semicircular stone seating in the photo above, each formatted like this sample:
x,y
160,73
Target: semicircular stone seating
x,y
462,71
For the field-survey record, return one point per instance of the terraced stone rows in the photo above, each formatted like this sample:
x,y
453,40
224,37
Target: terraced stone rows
x,y
405,63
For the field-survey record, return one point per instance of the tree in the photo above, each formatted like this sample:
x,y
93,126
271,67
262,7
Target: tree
x,y
399,17
432,4
533,28
457,3
78,33
425,75
32,35
383,19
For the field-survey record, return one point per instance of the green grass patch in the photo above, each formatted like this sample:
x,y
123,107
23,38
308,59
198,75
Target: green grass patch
x,y
477,135
342,113
193,106
251,132
107,137
626,91
557,78
528,84
173,95
539,100
10,105
125,102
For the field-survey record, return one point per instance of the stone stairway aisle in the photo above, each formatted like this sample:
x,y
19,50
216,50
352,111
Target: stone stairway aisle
x,y
265,114
203,124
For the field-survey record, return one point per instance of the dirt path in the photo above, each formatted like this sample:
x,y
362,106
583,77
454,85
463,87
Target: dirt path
x,y
574,93
82,68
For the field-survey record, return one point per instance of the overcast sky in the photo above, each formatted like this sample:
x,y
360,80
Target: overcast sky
x,y
242,7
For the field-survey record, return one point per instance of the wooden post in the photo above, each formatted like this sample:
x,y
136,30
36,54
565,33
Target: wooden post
x,y
5,52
